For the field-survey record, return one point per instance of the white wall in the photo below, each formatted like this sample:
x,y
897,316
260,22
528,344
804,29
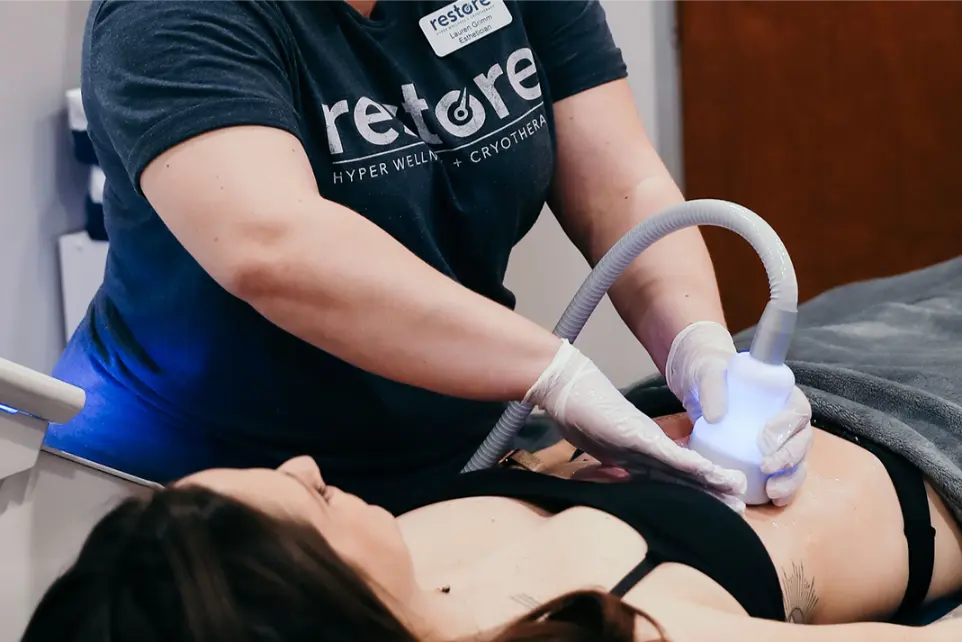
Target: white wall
x,y
41,187
546,270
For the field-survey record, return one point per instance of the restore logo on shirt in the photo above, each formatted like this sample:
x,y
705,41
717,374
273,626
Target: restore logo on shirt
x,y
502,108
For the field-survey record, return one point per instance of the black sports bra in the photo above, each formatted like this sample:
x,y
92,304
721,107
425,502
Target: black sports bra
x,y
679,523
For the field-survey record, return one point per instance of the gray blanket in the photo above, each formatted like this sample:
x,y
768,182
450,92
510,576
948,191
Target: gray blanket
x,y
882,358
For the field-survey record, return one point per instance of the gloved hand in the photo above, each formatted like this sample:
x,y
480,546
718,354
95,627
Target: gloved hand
x,y
594,416
696,373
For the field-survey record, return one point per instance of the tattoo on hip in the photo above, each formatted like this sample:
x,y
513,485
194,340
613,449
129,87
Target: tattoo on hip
x,y
799,594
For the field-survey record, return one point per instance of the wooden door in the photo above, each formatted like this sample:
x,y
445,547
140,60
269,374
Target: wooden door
x,y
838,122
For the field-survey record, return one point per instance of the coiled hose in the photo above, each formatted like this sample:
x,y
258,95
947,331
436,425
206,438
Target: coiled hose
x,y
771,336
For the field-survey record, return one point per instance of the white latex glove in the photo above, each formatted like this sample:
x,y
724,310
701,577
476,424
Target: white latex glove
x,y
593,415
696,373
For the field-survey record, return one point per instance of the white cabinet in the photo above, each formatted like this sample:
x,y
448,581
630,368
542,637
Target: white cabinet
x,y
82,262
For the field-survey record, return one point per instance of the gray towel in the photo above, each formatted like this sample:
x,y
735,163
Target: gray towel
x,y
883,359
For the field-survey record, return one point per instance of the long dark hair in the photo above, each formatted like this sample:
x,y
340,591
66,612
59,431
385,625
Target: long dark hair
x,y
187,564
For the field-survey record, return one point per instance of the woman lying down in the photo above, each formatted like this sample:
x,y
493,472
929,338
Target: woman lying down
x,y
511,555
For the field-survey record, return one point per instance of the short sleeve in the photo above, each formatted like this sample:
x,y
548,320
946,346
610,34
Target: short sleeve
x,y
573,43
157,73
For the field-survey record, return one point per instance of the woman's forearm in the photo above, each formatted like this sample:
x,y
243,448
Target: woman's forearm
x,y
609,178
753,630
685,621
668,287
672,284
342,284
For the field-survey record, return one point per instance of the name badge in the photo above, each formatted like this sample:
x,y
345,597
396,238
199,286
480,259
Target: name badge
x,y
462,22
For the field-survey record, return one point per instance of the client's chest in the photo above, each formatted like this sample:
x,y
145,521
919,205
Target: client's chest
x,y
529,559
505,558
447,537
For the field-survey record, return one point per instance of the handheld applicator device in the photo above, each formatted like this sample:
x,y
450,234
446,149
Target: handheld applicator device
x,y
759,384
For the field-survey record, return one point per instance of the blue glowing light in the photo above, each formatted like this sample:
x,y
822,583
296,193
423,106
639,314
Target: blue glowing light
x,y
8,409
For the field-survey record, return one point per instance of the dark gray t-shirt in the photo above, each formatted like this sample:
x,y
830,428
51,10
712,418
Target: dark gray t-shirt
x,y
453,156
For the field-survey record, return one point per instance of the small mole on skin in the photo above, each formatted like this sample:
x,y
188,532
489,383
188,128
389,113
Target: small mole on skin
x,y
445,589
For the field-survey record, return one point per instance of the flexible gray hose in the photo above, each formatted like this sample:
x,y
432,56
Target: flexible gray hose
x,y
771,337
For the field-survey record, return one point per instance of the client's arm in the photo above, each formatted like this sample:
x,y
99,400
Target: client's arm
x,y
688,622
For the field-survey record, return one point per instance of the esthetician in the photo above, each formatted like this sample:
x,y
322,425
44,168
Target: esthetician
x,y
311,206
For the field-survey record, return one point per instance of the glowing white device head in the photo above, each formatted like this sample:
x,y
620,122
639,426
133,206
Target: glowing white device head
x,y
759,384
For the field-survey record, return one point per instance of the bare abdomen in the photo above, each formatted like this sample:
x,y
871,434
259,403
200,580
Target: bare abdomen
x,y
839,546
